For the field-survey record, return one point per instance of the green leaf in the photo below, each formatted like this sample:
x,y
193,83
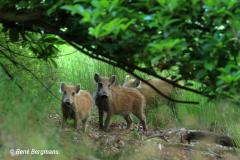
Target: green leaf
x,y
209,66
53,40
73,9
113,27
161,45
201,74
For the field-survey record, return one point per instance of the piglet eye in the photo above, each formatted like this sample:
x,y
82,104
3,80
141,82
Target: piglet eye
x,y
73,93
100,84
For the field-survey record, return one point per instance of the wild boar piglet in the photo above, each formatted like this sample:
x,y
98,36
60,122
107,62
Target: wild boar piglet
x,y
151,96
76,105
119,100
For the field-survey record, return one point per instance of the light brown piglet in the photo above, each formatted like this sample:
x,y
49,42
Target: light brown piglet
x,y
120,100
76,104
151,96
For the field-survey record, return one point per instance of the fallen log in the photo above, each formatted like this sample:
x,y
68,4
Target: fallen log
x,y
223,140
186,135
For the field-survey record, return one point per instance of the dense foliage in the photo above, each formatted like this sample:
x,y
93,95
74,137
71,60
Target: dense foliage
x,y
192,39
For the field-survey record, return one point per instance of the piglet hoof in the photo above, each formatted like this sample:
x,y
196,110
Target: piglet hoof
x,y
106,130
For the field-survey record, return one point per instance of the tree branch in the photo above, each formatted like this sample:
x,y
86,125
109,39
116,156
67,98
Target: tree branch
x,y
128,67
111,60
33,75
129,71
10,76
20,16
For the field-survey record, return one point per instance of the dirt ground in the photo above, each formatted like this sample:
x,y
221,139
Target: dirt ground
x,y
154,144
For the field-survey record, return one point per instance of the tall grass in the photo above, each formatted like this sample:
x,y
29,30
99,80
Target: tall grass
x,y
78,68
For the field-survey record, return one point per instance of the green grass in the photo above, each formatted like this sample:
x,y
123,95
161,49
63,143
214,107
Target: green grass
x,y
25,121
78,68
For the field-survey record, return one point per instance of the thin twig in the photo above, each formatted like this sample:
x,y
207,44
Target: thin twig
x,y
162,136
33,75
10,76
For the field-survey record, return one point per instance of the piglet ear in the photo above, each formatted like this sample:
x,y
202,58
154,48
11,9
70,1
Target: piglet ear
x,y
62,87
96,77
77,89
137,83
112,79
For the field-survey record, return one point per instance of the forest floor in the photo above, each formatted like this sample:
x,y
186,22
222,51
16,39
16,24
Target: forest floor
x,y
154,144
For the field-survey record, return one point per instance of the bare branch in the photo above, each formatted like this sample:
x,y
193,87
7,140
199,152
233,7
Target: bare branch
x,y
20,16
33,75
10,76
129,71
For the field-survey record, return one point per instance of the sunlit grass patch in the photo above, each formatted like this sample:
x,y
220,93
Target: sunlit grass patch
x,y
78,68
